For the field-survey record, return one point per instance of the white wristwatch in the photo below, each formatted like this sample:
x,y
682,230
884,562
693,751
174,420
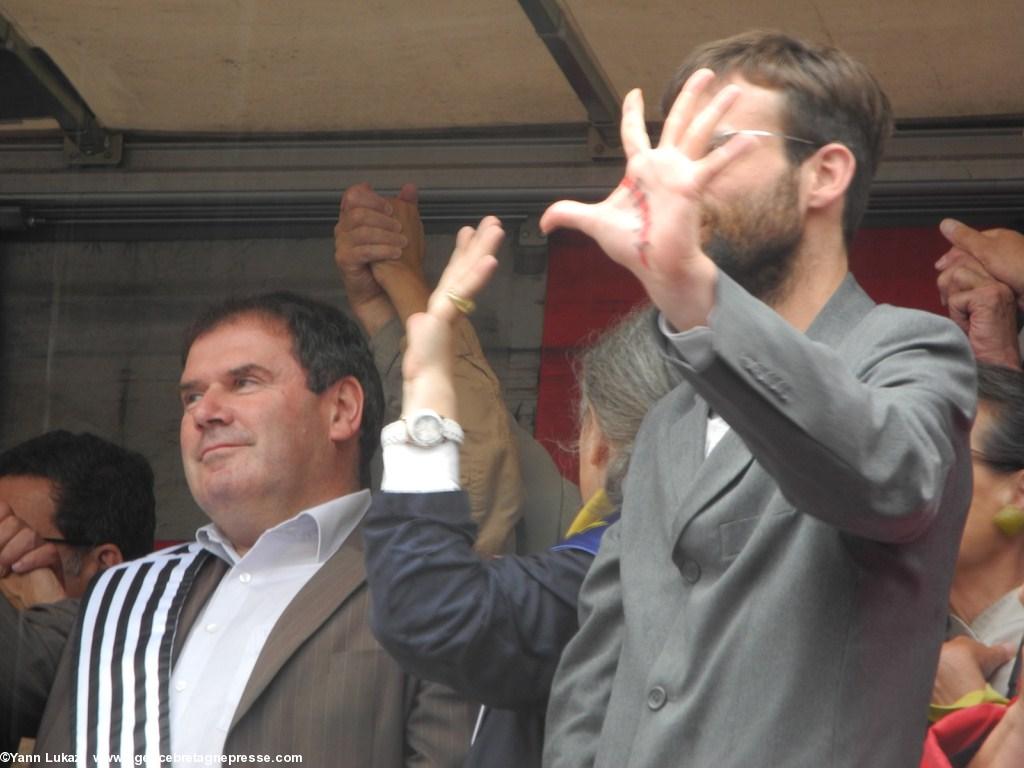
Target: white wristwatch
x,y
425,428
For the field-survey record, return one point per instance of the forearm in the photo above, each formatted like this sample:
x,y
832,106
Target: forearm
x,y
489,459
489,456
405,286
493,629
438,727
374,314
33,641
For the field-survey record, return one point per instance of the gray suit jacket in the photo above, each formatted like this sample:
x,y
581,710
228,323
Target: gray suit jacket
x,y
781,602
322,687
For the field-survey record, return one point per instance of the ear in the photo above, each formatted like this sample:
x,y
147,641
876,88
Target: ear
x,y
346,409
107,555
599,452
596,451
1018,489
827,175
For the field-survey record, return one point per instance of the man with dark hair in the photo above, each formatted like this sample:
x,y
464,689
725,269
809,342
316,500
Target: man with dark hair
x,y
255,638
775,592
91,498
323,341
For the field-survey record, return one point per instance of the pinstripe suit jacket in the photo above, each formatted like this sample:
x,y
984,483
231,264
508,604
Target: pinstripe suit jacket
x,y
322,687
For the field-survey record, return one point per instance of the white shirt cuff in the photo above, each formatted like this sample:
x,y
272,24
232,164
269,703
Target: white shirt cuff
x,y
414,469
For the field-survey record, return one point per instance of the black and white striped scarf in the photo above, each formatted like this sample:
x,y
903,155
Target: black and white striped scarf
x,y
123,668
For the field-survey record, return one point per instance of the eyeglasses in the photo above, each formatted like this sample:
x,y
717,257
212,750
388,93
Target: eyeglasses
x,y
996,464
721,138
69,542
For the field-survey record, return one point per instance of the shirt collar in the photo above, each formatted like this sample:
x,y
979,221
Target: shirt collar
x,y
310,537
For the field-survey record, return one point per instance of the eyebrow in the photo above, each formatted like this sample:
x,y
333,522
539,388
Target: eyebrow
x,y
242,370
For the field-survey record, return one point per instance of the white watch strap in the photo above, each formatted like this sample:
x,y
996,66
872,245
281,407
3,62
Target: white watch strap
x,y
397,432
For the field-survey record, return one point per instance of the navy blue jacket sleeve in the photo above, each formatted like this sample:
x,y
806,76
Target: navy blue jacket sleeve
x,y
492,629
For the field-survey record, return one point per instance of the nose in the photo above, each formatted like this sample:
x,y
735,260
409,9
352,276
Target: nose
x,y
212,408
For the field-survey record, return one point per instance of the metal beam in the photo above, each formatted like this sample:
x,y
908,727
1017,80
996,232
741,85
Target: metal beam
x,y
564,39
279,187
87,141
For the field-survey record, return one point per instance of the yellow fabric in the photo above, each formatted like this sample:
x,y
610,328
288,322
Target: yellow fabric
x,y
987,695
592,514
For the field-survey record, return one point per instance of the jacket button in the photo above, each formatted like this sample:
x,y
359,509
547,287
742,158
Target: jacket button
x,y
691,571
656,698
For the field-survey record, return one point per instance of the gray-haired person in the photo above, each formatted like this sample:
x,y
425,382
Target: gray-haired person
x,y
494,629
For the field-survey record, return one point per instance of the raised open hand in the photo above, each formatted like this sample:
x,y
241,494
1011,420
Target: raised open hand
x,y
470,267
651,222
429,356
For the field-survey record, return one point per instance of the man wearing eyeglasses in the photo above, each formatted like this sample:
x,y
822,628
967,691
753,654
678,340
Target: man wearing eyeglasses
x,y
90,499
775,591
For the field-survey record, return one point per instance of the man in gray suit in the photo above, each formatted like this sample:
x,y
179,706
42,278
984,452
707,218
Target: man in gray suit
x,y
254,640
775,592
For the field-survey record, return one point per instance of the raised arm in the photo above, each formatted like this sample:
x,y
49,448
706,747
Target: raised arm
x,y
379,249
883,415
493,628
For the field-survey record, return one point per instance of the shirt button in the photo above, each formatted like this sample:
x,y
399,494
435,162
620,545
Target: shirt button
x,y
691,571
180,686
656,698
245,578
212,627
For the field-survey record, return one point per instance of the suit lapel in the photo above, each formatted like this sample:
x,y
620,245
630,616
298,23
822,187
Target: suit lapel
x,y
715,476
726,464
202,589
315,603
685,434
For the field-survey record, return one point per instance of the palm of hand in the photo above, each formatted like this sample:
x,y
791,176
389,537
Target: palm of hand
x,y
651,222
653,216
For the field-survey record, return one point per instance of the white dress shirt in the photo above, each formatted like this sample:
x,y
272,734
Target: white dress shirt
x,y
221,650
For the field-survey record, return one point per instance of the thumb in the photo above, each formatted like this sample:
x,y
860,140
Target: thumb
x,y
961,235
409,194
570,215
991,657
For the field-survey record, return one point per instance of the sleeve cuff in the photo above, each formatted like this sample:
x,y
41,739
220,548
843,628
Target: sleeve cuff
x,y
413,469
694,347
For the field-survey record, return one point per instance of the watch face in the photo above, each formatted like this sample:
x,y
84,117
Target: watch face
x,y
426,429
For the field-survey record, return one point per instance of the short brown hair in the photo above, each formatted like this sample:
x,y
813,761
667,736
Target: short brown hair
x,y
829,97
326,343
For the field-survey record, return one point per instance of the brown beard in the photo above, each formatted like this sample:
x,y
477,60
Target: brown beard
x,y
755,241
